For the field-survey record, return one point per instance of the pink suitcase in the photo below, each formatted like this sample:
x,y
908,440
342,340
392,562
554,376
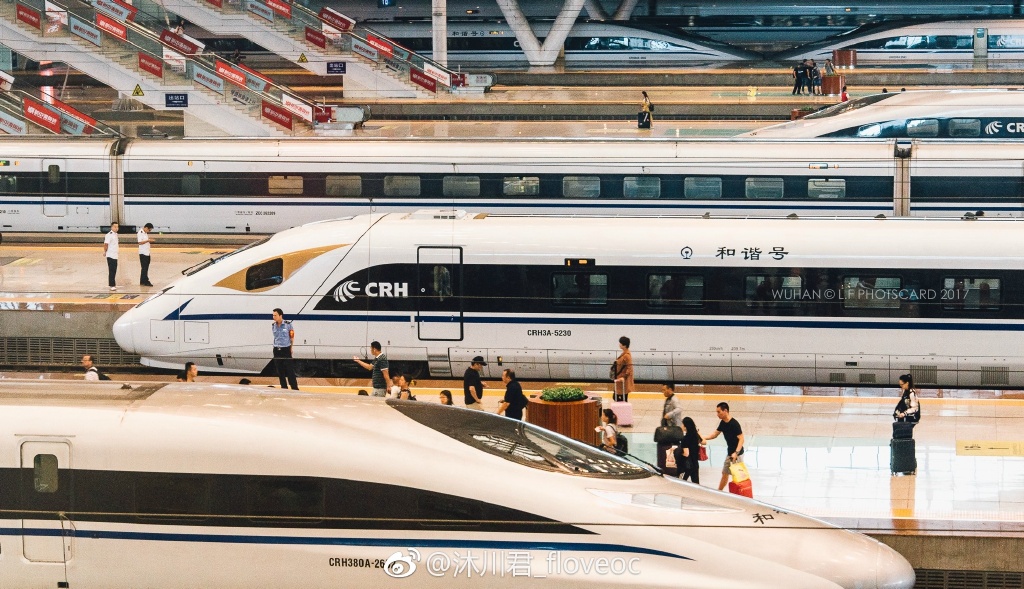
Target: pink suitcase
x,y
624,412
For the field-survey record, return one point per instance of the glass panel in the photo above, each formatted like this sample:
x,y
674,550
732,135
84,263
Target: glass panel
x,y
344,186
461,186
285,185
172,494
675,290
279,497
8,184
580,289
269,273
190,184
971,294
53,174
581,187
764,188
521,186
871,292
44,473
766,291
401,185
923,128
641,187
702,188
964,127
826,188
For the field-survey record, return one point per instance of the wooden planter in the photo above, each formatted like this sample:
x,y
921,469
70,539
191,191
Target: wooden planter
x,y
844,58
574,419
832,85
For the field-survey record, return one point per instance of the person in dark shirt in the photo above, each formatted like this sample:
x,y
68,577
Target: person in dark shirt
x,y
733,439
472,386
515,401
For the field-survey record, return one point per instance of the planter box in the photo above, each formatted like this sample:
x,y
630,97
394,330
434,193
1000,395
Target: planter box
x,y
846,58
832,85
798,113
573,419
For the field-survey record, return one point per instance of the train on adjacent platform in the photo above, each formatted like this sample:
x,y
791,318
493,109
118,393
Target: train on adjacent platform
x,y
796,301
268,185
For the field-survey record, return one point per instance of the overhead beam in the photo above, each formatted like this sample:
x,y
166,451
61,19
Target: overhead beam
x,y
536,53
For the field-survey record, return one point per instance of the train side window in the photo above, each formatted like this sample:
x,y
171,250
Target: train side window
x,y
279,497
160,494
675,290
765,291
580,289
269,273
401,185
581,186
702,187
8,184
826,188
190,184
44,473
641,187
461,186
284,185
53,174
765,188
871,292
964,128
923,128
970,294
344,186
520,186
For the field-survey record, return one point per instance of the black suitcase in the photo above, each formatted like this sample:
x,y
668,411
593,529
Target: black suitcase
x,y
643,120
903,456
902,430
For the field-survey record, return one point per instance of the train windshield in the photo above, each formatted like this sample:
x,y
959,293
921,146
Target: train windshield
x,y
520,442
849,106
210,261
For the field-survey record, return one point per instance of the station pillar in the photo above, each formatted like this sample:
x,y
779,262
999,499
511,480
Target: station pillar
x,y
439,13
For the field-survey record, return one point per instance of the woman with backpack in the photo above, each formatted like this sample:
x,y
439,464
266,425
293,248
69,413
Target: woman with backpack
x,y
609,431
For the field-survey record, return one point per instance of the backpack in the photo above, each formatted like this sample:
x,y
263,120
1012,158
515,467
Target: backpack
x,y
99,374
621,443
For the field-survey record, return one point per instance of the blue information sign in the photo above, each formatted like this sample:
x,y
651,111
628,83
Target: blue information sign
x,y
176,100
335,67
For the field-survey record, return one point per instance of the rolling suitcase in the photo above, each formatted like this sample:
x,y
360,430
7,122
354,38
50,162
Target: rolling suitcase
x,y
902,430
643,120
903,456
623,412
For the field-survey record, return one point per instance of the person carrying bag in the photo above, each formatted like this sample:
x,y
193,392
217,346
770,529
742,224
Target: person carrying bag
x,y
907,413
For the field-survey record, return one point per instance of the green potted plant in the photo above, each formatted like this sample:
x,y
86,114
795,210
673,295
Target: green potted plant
x,y
563,394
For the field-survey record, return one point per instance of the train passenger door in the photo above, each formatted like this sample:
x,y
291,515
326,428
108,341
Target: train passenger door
x,y
54,188
46,490
439,293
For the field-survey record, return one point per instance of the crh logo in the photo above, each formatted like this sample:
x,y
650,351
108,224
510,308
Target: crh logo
x,y
993,128
348,290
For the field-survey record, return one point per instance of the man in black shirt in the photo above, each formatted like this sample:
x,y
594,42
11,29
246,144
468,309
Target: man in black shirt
x,y
733,439
515,401
472,386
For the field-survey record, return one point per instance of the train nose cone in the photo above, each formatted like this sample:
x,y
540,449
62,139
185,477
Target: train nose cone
x,y
124,329
892,570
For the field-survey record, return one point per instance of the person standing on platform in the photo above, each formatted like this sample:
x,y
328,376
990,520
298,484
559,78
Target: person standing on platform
x,y
445,397
380,374
284,337
843,96
191,371
515,401
646,116
110,247
91,371
472,386
144,241
733,440
622,372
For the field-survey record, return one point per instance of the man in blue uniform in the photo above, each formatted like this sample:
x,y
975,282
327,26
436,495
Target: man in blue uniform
x,y
284,336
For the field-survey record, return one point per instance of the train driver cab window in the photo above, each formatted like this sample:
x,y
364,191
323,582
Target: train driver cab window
x,y
461,186
266,274
44,473
675,290
279,497
520,186
285,185
964,128
190,184
401,185
970,294
344,186
826,188
8,184
581,186
923,128
765,188
701,188
579,288
641,187
872,292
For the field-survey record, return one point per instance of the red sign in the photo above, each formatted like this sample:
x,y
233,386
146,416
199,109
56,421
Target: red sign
x,y
111,27
385,48
422,79
277,114
230,73
217,3
178,43
253,72
151,65
280,7
90,123
28,16
41,114
336,19
316,38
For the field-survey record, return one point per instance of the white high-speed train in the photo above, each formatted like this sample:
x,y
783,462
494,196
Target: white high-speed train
x,y
223,487
267,185
704,300
990,114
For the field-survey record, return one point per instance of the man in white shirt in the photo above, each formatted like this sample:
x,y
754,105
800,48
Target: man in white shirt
x,y
144,241
110,246
91,372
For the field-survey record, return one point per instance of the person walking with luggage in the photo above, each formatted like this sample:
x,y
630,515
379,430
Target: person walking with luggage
x,y
379,374
110,252
908,409
730,427
515,401
284,336
671,417
688,452
903,447
622,372
144,259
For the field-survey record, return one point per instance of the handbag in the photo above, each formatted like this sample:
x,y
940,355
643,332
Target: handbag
x,y
703,455
670,457
739,472
613,372
668,434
